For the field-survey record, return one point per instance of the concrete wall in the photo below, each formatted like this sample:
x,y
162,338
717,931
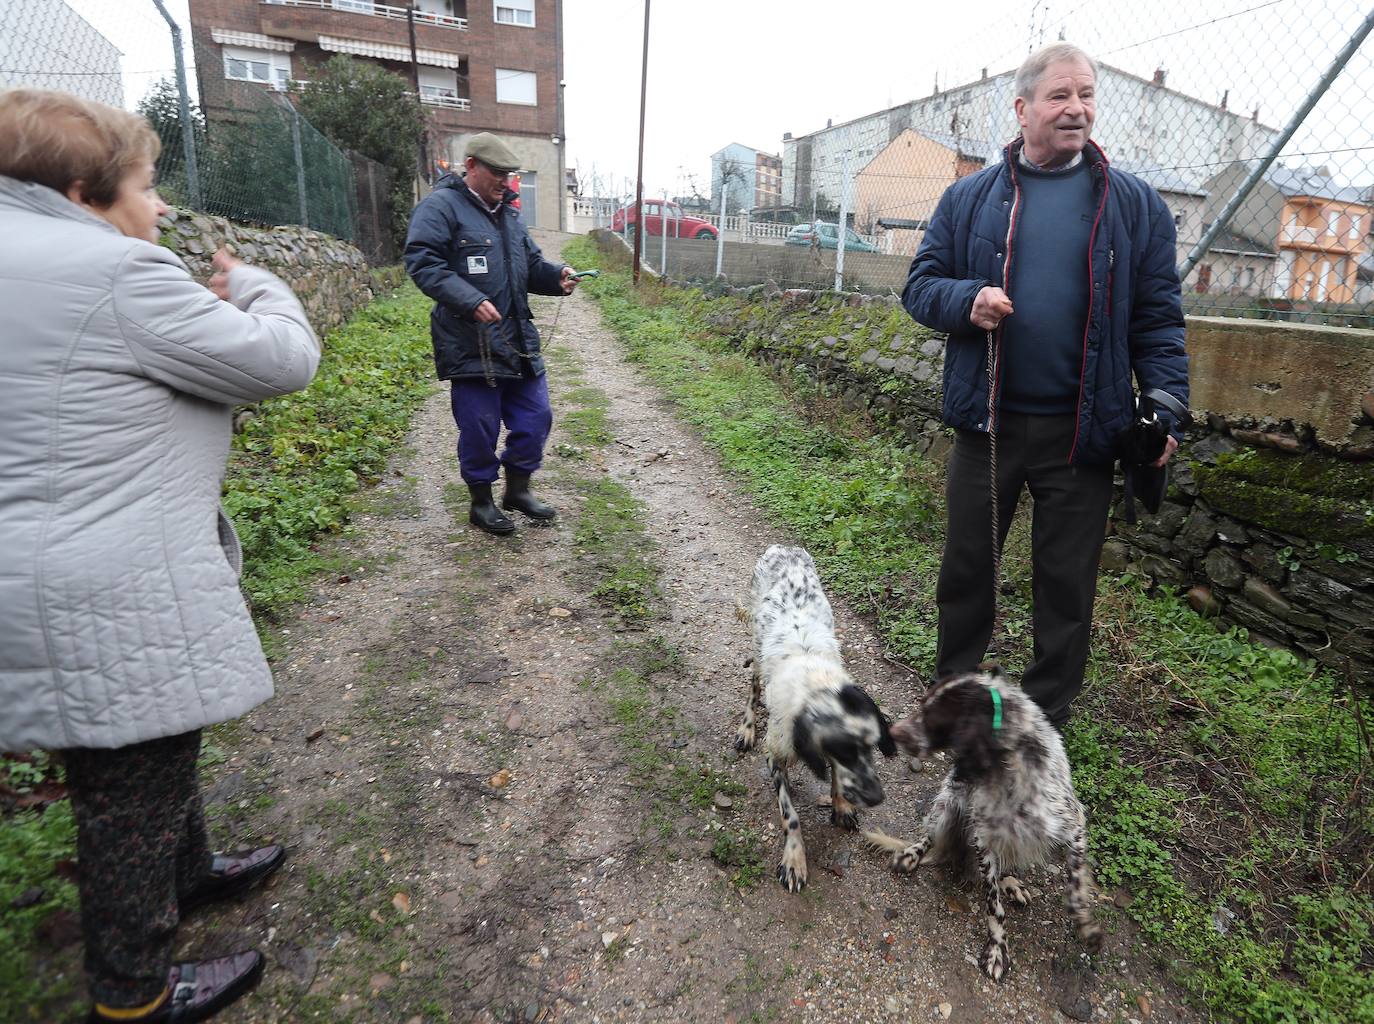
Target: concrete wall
x,y
330,277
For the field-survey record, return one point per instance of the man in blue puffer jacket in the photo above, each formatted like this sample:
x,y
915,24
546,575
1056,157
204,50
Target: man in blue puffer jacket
x,y
469,251
1054,278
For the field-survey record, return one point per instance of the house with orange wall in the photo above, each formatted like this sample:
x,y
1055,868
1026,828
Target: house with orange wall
x,y
1318,228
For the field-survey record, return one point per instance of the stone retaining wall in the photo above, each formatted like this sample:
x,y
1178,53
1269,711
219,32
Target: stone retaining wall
x,y
1269,522
330,277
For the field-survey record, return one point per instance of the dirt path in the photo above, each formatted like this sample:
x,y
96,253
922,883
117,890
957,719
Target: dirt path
x,y
487,825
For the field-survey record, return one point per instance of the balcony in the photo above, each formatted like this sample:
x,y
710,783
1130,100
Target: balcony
x,y
375,10
436,97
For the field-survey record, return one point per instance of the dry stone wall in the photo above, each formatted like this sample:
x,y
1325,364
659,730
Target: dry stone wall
x,y
329,276
1269,522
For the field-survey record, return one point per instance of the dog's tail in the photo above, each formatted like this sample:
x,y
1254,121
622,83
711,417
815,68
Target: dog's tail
x,y
884,843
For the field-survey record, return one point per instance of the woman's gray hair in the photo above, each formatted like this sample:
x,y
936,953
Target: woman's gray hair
x,y
1028,75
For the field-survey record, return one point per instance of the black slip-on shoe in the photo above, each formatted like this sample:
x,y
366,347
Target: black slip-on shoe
x,y
198,989
230,875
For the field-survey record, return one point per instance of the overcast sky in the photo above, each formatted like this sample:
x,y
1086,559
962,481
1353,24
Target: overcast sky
x,y
747,71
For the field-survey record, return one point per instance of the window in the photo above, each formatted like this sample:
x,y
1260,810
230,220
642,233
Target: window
x,y
242,64
438,86
1333,223
1355,229
358,6
515,87
515,12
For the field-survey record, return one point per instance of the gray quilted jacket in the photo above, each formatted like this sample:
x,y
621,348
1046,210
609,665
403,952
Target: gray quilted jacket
x,y
122,617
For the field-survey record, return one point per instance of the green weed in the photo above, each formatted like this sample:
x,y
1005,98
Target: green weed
x,y
298,460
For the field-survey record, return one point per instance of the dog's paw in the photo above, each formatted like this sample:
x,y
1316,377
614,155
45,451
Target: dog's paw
x,y
744,738
792,869
1013,889
995,961
846,818
908,860
1090,935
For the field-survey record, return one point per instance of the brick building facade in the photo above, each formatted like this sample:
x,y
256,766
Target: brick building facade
x,y
483,65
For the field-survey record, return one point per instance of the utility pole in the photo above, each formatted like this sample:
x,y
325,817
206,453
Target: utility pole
x,y
422,157
639,177
188,133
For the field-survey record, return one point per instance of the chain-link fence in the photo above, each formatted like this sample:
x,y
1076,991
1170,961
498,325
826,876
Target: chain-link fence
x,y
1194,99
251,157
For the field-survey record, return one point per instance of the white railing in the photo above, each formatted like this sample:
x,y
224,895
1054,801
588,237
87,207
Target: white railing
x,y
376,10
444,99
745,229
1307,236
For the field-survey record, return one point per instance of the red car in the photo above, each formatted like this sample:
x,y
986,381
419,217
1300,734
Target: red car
x,y
680,225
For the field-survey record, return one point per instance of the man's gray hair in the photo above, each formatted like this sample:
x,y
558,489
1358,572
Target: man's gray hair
x,y
1028,75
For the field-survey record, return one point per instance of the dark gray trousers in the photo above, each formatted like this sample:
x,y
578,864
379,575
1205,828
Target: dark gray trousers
x,y
1068,526
140,842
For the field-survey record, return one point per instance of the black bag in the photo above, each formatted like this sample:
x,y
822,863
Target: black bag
x,y
1142,444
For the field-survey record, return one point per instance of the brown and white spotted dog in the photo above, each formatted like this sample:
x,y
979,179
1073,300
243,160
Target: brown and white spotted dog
x,y
1008,798
816,712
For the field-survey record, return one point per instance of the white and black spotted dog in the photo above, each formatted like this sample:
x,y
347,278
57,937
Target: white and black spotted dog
x,y
816,712
1008,799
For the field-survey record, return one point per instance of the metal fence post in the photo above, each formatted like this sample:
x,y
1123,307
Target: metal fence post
x,y
720,229
188,131
300,165
1294,123
842,228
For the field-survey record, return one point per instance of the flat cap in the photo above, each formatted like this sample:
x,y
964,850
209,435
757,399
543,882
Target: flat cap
x,y
493,152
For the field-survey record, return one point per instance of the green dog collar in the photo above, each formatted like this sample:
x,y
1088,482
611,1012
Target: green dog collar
x,y
996,709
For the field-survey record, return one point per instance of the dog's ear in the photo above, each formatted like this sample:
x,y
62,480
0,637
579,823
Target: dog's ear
x,y
857,701
886,743
975,750
805,746
959,718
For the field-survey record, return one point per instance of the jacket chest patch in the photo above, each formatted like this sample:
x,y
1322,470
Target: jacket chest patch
x,y
477,264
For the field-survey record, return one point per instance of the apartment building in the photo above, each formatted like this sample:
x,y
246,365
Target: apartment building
x,y
1140,120
755,177
47,45
481,65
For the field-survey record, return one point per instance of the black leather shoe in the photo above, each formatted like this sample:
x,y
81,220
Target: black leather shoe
x,y
519,498
229,876
199,989
484,514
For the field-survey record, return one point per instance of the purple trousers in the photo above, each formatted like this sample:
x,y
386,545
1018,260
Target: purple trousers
x,y
480,410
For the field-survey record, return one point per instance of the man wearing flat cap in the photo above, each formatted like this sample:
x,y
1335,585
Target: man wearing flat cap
x,y
469,251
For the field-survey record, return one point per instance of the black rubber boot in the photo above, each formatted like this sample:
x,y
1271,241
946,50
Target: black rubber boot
x,y
519,498
484,514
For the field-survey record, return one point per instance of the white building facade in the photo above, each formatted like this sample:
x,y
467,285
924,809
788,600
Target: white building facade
x,y
47,45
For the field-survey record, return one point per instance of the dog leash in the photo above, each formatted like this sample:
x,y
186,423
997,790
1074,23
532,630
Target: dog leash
x,y
995,503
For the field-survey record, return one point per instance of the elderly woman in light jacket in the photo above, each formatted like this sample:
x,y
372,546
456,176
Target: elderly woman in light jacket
x,y
124,630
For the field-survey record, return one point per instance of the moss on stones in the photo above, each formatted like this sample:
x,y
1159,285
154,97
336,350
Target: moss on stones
x,y
1314,497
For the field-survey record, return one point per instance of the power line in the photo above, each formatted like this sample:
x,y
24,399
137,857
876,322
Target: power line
x,y
1190,28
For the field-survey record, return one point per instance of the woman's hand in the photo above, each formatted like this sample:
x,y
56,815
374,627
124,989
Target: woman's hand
x,y
224,263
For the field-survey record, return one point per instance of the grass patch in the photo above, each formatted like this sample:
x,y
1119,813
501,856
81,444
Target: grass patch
x,y
1227,783
293,468
740,852
32,843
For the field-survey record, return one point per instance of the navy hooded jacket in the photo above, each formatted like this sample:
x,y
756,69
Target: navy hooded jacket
x,y
461,256
1135,318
